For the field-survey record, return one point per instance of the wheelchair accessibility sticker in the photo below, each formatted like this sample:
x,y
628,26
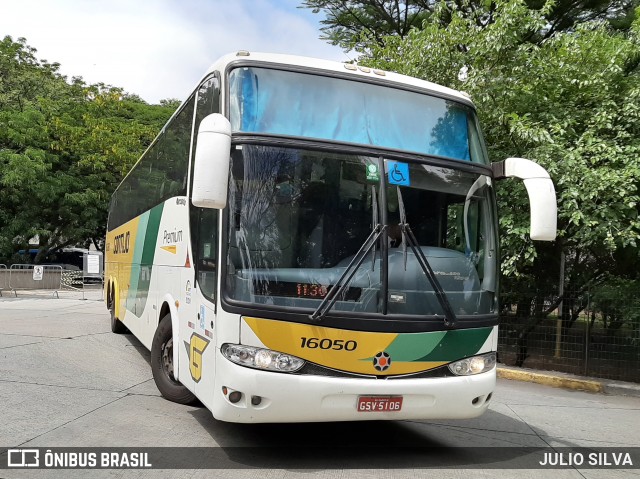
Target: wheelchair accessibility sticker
x,y
398,173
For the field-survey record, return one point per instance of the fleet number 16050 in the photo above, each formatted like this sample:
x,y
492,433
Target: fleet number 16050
x,y
326,343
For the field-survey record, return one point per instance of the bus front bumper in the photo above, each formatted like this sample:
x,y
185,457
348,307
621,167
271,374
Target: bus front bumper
x,y
280,397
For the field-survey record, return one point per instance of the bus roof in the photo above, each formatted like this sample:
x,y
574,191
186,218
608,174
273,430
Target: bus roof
x,y
338,67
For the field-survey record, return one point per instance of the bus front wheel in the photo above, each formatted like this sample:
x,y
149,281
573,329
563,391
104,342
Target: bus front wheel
x,y
162,365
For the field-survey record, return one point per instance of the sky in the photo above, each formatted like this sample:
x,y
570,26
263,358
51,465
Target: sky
x,y
159,49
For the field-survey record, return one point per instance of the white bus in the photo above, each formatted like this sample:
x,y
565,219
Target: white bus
x,y
308,240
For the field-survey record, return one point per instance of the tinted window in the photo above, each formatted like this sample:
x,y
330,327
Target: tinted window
x,y
160,174
316,106
208,102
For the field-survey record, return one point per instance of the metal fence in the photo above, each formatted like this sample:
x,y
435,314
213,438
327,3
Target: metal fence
x,y
588,333
38,279
35,277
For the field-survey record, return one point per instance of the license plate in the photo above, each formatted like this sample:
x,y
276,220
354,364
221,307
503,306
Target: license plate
x,y
379,403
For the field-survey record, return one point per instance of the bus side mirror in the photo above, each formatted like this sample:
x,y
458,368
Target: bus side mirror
x,y
542,194
211,163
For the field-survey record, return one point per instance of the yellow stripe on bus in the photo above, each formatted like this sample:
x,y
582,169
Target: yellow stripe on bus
x,y
340,349
119,252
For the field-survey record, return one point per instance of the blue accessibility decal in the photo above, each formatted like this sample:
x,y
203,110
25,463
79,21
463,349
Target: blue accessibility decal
x,y
398,173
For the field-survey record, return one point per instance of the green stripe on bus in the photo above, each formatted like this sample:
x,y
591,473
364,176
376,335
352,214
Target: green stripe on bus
x,y
142,261
458,344
153,225
135,261
141,233
438,346
148,254
413,346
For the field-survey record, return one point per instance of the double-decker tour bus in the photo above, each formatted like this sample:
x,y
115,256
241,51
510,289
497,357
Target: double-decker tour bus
x,y
308,240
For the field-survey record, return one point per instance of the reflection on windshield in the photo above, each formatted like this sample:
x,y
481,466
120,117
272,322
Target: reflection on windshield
x,y
297,219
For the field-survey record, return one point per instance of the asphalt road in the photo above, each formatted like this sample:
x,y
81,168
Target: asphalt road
x,y
67,381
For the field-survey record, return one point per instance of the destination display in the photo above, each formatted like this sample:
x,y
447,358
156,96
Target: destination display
x,y
303,290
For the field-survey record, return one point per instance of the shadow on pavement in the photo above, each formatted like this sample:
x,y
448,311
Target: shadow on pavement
x,y
371,445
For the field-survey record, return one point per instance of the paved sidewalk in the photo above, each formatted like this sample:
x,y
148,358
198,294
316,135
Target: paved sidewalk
x,y
67,381
91,292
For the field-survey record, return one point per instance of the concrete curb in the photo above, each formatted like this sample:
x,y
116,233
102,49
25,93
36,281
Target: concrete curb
x,y
568,381
557,380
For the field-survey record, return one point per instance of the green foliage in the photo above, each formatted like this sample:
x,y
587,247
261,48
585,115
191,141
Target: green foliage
x,y
347,21
570,102
64,146
617,302
171,103
356,24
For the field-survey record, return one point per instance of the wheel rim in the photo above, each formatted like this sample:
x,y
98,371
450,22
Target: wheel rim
x,y
167,359
112,308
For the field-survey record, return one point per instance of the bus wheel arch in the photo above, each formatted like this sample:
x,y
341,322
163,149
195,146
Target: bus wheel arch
x,y
169,308
117,326
164,352
164,310
109,292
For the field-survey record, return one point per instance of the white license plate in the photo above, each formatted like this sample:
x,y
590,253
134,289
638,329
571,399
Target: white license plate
x,y
379,403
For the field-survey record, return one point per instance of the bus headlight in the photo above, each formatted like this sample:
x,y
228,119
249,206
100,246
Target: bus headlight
x,y
474,365
260,358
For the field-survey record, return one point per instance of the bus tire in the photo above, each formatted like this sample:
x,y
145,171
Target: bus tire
x,y
162,365
117,326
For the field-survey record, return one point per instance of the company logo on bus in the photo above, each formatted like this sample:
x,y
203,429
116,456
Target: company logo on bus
x,y
121,243
382,361
195,347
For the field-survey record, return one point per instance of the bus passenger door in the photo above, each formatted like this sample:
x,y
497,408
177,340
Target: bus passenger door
x,y
204,224
187,323
204,247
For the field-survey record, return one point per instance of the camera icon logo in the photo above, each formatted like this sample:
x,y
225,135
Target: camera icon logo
x,y
23,458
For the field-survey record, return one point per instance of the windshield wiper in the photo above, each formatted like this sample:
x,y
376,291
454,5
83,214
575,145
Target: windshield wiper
x,y
340,285
409,237
344,279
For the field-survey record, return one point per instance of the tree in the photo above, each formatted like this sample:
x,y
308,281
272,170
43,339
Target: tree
x,y
64,146
171,103
354,24
618,304
347,22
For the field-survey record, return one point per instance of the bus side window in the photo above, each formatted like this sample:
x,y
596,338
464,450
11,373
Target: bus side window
x,y
207,251
207,102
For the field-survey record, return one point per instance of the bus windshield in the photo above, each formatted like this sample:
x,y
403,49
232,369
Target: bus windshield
x,y
298,217
314,106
